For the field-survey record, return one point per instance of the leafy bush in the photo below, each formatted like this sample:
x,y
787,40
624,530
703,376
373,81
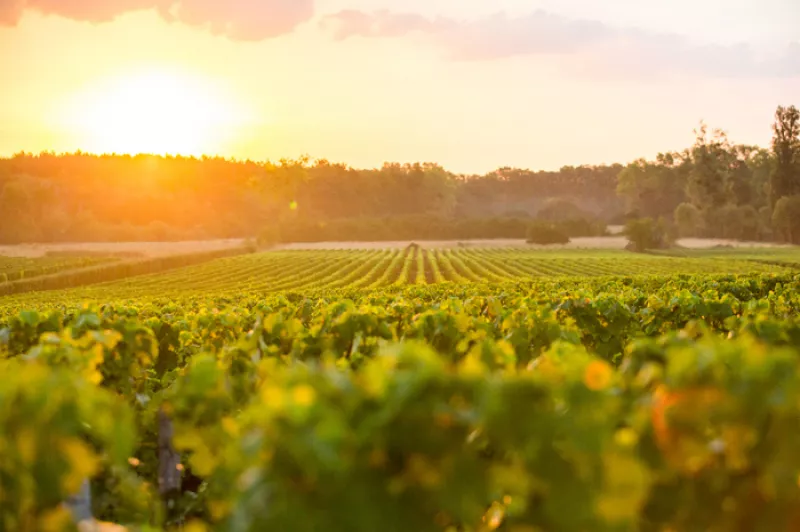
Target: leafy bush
x,y
546,234
646,233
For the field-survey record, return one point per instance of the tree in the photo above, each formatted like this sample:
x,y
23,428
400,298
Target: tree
x,y
707,186
760,163
654,187
738,222
786,219
785,176
646,233
740,185
689,220
749,223
765,223
16,205
558,210
720,177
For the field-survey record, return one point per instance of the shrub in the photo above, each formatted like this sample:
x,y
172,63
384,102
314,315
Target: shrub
x,y
646,233
545,234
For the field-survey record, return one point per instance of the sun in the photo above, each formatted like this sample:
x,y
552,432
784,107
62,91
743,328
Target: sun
x,y
153,111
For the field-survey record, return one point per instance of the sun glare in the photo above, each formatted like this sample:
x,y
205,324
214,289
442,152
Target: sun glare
x,y
160,112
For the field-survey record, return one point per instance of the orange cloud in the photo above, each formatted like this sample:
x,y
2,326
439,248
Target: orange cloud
x,y
237,19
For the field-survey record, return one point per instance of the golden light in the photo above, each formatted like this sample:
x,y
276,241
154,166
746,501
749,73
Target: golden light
x,y
154,111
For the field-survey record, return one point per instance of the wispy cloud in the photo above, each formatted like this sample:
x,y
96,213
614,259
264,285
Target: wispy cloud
x,y
541,33
236,19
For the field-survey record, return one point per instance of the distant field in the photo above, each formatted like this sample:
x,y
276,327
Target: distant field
x,y
156,249
16,268
590,242
784,255
144,249
317,270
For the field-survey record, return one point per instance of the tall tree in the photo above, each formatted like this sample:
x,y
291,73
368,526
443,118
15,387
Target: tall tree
x,y
785,176
760,162
711,164
655,188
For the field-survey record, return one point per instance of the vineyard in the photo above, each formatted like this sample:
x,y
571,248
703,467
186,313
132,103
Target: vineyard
x,y
410,390
325,270
16,268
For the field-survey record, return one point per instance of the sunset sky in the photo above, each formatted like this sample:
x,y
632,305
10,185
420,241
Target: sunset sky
x,y
470,84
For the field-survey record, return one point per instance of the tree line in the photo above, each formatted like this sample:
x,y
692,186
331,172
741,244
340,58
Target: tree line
x,y
84,197
715,188
719,189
